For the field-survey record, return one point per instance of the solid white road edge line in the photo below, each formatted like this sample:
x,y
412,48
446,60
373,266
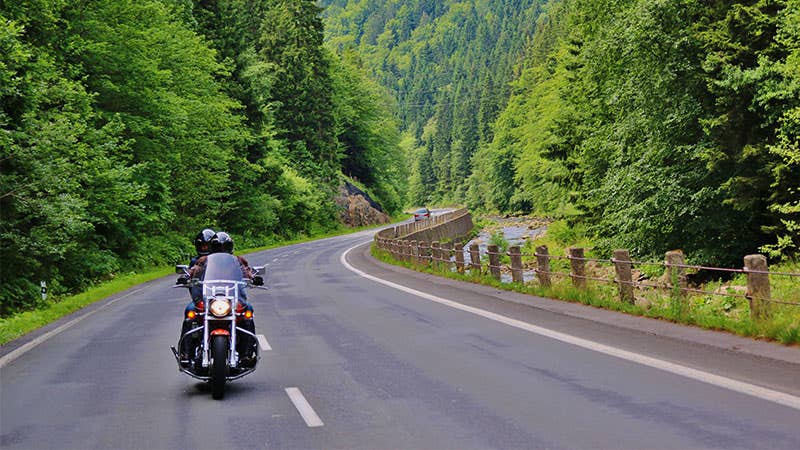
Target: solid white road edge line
x,y
780,398
304,408
262,341
11,356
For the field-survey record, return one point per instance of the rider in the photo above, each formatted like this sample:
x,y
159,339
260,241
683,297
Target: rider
x,y
202,244
223,243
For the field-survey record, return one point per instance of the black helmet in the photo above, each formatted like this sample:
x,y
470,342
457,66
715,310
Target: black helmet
x,y
222,242
202,242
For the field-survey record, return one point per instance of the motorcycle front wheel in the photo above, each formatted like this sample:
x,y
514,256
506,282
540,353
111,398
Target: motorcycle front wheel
x,y
219,365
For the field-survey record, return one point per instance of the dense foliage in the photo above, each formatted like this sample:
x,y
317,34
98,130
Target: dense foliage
x,y
660,124
448,63
127,125
669,124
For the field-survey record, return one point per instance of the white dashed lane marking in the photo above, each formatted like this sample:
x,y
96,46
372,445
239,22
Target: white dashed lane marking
x,y
262,341
304,408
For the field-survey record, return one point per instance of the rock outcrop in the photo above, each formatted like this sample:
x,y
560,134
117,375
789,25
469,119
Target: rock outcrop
x,y
358,209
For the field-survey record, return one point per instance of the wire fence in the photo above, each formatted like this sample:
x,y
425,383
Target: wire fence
x,y
454,257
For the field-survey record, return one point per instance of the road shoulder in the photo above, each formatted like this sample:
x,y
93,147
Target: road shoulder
x,y
487,297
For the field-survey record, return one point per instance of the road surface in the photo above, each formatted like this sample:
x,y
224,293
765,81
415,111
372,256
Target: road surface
x,y
349,362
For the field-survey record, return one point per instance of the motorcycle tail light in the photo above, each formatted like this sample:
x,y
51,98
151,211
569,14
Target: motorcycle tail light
x,y
200,306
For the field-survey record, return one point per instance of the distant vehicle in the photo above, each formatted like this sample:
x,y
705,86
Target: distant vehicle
x,y
422,214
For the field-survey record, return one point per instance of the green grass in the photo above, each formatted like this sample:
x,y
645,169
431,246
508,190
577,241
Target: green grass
x,y
20,324
25,322
715,312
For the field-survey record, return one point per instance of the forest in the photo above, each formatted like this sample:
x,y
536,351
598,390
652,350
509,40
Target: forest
x,y
128,125
652,125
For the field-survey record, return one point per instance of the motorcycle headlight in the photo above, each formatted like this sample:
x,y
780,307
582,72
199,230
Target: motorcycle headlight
x,y
220,307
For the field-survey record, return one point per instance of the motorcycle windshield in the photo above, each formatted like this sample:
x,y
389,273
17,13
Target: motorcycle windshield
x,y
222,266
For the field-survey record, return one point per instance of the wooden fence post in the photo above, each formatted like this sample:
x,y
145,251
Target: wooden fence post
x,y
543,263
676,279
447,251
676,274
459,249
475,259
400,250
516,263
494,261
577,267
758,290
437,254
622,265
423,253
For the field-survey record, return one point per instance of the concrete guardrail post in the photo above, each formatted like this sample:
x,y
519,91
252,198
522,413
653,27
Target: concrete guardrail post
x,y
758,289
414,253
622,266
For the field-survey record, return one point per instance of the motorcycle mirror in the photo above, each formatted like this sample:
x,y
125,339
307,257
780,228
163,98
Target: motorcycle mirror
x,y
181,268
258,281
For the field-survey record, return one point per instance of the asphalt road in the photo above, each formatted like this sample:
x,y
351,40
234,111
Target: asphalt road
x,y
354,363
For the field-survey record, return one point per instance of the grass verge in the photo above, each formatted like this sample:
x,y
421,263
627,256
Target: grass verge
x,y
20,324
783,327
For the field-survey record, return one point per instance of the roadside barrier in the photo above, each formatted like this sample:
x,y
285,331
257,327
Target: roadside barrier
x,y
420,244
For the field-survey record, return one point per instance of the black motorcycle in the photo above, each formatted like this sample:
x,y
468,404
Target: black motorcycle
x,y
216,323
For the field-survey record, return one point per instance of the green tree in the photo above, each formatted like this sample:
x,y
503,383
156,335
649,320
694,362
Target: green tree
x,y
291,37
63,188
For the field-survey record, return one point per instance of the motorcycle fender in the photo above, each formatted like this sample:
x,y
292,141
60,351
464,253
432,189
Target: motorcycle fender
x,y
220,331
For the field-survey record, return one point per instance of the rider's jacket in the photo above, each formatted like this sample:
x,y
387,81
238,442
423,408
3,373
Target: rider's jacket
x,y
200,265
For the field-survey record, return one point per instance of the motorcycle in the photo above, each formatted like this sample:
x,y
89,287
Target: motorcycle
x,y
216,323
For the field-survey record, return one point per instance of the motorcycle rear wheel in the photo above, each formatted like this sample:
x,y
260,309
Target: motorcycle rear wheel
x,y
219,365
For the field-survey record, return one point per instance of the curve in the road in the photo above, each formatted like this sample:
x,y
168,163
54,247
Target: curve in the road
x,y
780,398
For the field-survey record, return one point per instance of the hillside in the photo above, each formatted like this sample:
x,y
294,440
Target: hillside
x,y
448,64
658,125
